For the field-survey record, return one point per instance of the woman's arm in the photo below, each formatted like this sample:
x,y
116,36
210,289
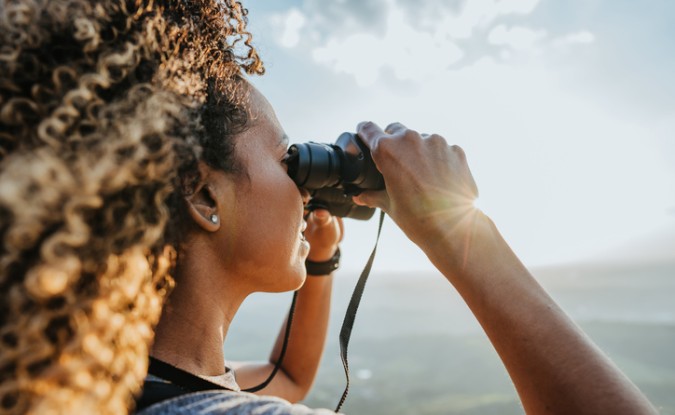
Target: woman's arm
x,y
310,322
430,191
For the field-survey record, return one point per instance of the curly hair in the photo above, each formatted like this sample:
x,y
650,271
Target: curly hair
x,y
106,108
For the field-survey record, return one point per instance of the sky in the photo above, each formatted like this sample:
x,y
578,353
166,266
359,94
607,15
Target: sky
x,y
566,109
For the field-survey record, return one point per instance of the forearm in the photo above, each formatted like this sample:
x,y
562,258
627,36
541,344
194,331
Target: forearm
x,y
430,194
554,366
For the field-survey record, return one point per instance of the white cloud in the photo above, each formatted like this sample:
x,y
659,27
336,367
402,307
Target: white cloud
x,y
582,37
344,16
478,14
414,41
517,37
348,56
410,54
516,6
290,25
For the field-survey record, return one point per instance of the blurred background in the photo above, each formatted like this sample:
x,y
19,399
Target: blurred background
x,y
567,113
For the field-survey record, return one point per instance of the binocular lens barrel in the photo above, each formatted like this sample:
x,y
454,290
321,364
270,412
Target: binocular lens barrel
x,y
334,172
314,166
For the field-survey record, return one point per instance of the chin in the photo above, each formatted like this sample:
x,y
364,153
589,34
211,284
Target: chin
x,y
298,279
292,280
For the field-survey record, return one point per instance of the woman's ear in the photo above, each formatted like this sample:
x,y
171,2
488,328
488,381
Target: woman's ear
x,y
202,203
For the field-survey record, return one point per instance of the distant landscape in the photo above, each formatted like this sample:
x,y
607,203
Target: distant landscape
x,y
416,348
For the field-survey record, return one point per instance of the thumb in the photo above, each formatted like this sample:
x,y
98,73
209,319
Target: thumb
x,y
373,199
321,217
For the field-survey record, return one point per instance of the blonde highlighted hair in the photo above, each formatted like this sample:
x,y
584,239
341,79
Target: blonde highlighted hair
x,y
105,109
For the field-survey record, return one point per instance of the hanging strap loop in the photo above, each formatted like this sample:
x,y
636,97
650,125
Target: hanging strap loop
x,y
350,315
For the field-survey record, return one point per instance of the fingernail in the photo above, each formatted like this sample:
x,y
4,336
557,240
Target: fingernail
x,y
321,213
362,124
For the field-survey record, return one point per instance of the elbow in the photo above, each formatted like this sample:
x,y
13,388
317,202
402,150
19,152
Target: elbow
x,y
298,396
298,390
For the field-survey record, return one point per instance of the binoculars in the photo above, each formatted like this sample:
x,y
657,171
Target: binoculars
x,y
332,173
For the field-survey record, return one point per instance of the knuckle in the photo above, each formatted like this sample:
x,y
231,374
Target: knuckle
x,y
385,148
410,135
458,151
393,127
366,124
368,127
437,140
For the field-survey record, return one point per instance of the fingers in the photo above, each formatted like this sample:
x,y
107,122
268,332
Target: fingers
x,y
395,127
324,232
473,185
320,217
370,133
373,199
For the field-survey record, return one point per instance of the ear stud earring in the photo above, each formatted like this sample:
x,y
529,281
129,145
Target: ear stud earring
x,y
214,218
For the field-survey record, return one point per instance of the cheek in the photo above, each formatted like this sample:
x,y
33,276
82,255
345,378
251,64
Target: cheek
x,y
267,217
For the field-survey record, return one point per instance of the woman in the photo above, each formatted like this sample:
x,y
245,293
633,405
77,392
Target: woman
x,y
555,368
246,235
132,150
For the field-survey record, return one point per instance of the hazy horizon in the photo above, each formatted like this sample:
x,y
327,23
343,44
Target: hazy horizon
x,y
416,347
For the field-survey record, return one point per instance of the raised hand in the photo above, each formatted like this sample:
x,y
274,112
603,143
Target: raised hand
x,y
430,189
324,232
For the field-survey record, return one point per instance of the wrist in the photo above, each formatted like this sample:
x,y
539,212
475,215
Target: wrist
x,y
322,254
326,267
458,247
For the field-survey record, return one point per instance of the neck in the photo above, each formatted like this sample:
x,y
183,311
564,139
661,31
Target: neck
x,y
195,320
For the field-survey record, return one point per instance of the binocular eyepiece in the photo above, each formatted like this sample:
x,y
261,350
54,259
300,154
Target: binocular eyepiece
x,y
332,173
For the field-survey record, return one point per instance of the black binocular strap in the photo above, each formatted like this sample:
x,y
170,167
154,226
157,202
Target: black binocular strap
x,y
350,315
277,365
347,323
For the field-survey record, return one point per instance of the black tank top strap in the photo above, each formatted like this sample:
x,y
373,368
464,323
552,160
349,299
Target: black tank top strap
x,y
174,382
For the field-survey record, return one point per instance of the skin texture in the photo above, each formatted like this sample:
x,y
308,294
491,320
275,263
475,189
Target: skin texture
x,y
257,245
310,323
556,369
